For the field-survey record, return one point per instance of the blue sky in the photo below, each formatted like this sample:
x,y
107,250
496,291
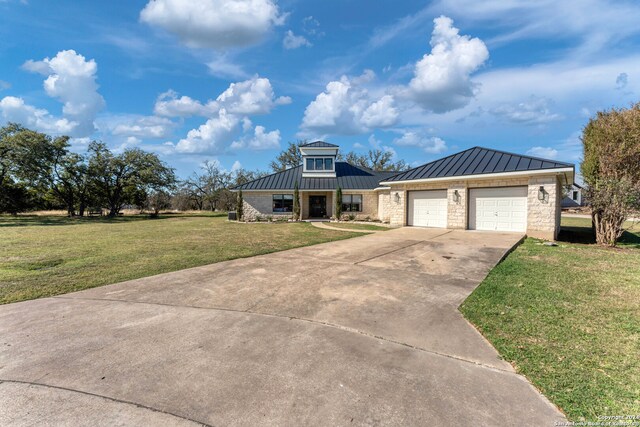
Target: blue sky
x,y
235,80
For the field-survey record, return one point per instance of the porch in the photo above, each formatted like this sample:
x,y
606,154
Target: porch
x,y
317,204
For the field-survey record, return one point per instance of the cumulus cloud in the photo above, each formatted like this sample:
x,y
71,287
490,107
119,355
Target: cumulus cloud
x,y
211,137
169,104
441,79
71,79
260,140
419,139
250,97
215,24
291,41
534,111
347,108
134,125
14,109
247,98
544,152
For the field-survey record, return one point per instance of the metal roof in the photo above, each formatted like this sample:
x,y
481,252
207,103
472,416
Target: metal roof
x,y
477,161
319,144
348,177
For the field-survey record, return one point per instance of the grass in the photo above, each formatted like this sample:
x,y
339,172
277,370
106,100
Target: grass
x,y
50,255
357,226
568,318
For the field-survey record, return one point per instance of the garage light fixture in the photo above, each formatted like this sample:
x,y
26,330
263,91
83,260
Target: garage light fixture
x,y
543,195
397,197
456,196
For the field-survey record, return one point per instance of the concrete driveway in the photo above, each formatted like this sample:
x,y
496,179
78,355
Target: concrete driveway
x,y
358,332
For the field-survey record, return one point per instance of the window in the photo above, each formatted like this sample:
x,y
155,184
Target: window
x,y
283,202
574,196
311,164
352,203
319,164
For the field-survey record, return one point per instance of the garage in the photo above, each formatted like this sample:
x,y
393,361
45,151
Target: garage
x,y
498,209
428,208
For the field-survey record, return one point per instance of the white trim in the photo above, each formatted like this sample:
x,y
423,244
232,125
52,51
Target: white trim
x,y
480,176
382,188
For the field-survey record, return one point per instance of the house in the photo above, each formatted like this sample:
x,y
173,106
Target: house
x,y
573,198
475,189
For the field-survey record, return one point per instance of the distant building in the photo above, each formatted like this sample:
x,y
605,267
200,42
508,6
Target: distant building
x,y
574,197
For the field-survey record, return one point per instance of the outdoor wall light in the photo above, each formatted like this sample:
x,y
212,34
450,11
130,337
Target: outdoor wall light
x,y
397,197
543,195
456,196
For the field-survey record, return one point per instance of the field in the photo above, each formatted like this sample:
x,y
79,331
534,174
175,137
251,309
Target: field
x,y
48,255
568,318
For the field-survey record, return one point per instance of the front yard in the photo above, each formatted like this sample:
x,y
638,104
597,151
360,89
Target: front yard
x,y
51,255
568,318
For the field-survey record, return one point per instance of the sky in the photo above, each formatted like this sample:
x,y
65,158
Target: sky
x,y
233,81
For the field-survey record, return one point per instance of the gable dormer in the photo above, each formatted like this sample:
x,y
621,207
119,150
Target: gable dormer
x,y
319,159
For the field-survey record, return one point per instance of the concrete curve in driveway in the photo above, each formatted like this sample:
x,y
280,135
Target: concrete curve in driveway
x,y
363,331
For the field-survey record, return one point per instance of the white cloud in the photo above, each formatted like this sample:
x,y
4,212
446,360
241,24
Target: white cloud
x,y
591,24
260,140
169,105
14,109
534,111
417,138
72,80
211,137
441,80
544,152
236,166
134,125
250,97
346,107
291,41
216,24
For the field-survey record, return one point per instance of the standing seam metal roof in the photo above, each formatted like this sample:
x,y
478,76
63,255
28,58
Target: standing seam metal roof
x,y
477,161
348,177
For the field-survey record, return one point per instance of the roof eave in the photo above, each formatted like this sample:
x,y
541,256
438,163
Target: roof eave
x,y
482,176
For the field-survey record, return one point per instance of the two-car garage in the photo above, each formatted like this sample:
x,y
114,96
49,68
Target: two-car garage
x,y
492,209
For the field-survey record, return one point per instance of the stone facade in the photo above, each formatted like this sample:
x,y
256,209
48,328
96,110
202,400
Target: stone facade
x,y
369,205
384,205
543,217
260,204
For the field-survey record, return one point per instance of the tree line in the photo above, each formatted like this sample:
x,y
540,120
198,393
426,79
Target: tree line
x,y
40,172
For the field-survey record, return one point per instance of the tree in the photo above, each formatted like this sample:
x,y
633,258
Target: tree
x,y
610,168
157,201
338,203
296,202
240,206
118,178
288,158
377,160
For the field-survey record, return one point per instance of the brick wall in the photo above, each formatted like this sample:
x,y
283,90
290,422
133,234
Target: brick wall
x,y
384,201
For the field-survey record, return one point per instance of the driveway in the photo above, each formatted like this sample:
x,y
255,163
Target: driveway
x,y
364,331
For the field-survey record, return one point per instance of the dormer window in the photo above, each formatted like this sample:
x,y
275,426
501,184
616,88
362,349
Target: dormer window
x,y
321,164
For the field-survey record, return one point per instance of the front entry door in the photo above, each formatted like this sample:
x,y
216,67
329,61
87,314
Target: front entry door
x,y
317,206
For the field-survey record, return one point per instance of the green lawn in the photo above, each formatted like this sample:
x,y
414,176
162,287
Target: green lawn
x,y
568,318
354,226
44,256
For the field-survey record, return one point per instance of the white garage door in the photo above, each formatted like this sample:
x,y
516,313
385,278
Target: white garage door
x,y
498,209
428,208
